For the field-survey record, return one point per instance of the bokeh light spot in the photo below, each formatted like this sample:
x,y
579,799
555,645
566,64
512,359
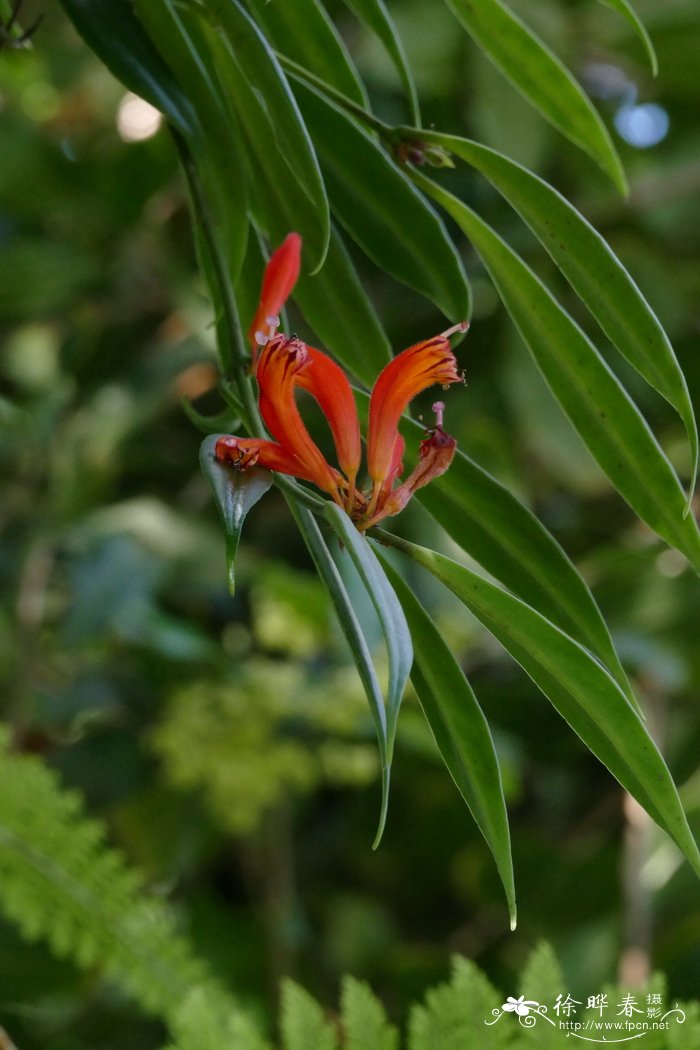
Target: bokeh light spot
x,y
642,126
137,120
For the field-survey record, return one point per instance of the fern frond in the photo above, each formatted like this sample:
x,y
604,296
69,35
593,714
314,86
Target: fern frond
x,y
364,1019
454,1013
302,1023
60,881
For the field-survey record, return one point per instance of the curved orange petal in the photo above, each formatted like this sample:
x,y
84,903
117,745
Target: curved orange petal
x,y
411,372
329,386
279,365
245,453
281,275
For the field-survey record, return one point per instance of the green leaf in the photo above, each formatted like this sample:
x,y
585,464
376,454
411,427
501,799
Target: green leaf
x,y
576,684
235,492
352,629
302,1022
303,30
382,210
112,30
391,617
214,143
339,310
591,395
376,17
283,166
503,536
628,12
364,1019
540,77
593,271
461,731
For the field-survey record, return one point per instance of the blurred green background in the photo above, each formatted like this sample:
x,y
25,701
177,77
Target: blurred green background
x,y
226,741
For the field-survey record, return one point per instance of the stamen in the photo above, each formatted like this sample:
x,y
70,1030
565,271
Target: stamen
x,y
463,326
274,322
261,339
438,409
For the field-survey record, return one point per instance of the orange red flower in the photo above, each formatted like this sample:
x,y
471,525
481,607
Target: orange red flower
x,y
284,365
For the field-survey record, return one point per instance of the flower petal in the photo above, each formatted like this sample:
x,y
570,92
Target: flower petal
x,y
329,386
281,275
244,453
278,370
417,368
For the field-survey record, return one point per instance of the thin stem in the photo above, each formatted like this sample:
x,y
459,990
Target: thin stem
x,y
384,130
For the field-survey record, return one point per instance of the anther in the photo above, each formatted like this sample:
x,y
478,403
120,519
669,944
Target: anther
x,y
261,339
463,326
438,409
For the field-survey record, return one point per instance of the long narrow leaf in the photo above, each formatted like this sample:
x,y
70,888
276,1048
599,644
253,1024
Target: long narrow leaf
x,y
593,270
354,635
596,402
460,729
257,91
303,30
579,688
388,608
381,209
114,33
624,8
540,77
376,17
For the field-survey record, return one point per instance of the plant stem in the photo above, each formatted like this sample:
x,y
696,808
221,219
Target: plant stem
x,y
384,130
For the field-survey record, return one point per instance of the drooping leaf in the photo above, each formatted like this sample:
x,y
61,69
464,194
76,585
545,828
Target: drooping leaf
x,y
576,684
381,209
114,33
460,729
391,616
376,17
352,629
597,404
627,11
593,270
303,30
235,492
539,75
283,167
215,141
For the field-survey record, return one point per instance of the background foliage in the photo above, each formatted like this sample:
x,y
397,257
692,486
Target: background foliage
x,y
225,741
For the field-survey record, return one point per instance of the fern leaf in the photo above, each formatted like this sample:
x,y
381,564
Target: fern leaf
x,y
302,1022
365,1022
454,1014
59,881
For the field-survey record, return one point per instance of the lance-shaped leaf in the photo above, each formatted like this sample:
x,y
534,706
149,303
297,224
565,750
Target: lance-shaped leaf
x,y
592,269
303,30
388,608
114,33
281,152
235,493
352,629
215,143
460,729
540,77
381,209
595,401
376,17
503,536
624,8
576,684
488,522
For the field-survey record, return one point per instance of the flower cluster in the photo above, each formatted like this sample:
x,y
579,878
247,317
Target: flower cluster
x,y
285,364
